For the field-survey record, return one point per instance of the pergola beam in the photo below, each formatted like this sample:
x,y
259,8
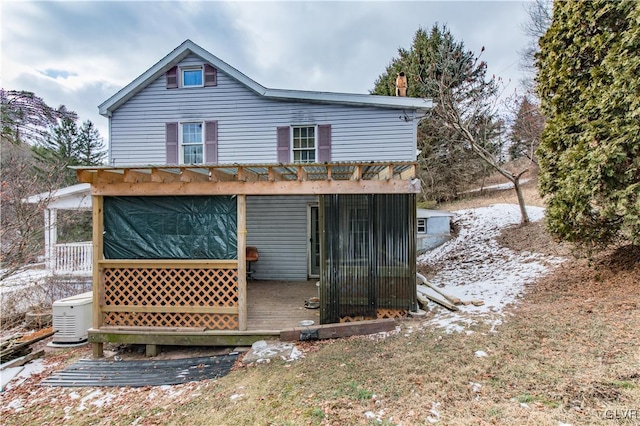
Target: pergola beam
x,y
357,173
253,179
274,175
386,173
135,176
410,173
187,175
258,188
220,176
246,175
302,174
109,176
160,175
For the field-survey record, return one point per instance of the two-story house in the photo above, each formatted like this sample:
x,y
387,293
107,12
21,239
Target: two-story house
x,y
205,162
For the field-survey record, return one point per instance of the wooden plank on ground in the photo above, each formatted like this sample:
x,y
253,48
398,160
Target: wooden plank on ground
x,y
8,353
333,331
423,301
450,298
436,297
23,360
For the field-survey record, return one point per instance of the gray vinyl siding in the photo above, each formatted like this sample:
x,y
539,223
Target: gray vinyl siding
x,y
247,124
277,226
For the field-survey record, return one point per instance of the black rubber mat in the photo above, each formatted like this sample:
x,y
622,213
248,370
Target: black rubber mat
x,y
89,372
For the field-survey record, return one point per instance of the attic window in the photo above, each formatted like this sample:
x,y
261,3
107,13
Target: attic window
x,y
192,77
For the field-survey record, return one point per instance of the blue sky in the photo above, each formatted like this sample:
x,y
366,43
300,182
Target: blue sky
x,y
80,53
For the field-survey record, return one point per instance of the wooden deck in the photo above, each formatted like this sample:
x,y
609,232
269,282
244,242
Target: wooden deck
x,y
273,307
279,305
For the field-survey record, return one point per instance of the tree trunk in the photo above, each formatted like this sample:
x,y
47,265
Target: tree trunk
x,y
523,209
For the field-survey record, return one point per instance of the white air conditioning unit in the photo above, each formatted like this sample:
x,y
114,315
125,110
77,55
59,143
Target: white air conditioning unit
x,y
72,319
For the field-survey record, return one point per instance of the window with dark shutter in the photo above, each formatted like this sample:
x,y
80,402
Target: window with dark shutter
x,y
210,75
211,142
284,144
171,138
324,143
172,78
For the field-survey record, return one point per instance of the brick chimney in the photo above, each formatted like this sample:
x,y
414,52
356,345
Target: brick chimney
x,y
401,85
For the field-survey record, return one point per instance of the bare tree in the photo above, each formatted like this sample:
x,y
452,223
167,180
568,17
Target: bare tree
x,y
540,14
461,105
448,165
21,230
26,120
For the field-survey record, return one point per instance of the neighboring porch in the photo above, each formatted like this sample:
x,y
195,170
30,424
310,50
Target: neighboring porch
x,y
71,258
170,243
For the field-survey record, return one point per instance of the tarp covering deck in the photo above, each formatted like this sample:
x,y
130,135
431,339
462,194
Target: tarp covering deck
x,y
170,227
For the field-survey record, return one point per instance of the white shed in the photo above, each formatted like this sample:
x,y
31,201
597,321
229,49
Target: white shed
x,y
433,228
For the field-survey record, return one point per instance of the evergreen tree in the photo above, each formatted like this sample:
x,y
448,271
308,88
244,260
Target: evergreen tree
x,y
448,163
70,145
90,146
526,129
589,155
60,150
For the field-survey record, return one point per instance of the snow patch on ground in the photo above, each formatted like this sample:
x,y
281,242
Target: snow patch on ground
x,y
473,266
33,367
22,279
500,186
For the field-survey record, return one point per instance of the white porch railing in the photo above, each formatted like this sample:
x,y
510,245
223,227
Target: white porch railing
x,y
73,258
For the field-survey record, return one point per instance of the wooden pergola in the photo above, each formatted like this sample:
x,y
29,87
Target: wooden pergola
x,y
228,314
255,179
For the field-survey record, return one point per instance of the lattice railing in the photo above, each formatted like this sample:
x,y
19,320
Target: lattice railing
x,y
201,294
380,314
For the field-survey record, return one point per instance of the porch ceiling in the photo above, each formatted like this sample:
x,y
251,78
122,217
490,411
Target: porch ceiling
x,y
252,179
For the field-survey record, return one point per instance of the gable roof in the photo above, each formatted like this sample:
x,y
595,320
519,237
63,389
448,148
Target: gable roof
x,y
188,47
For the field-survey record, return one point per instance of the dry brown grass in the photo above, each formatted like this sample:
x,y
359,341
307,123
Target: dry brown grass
x,y
505,196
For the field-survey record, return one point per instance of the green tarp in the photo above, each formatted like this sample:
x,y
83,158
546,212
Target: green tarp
x,y
189,227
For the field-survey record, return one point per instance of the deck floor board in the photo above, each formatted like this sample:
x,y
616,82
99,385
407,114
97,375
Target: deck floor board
x,y
278,305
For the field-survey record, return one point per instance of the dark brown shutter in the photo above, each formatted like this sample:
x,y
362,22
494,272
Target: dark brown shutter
x,y
211,142
284,143
171,138
324,143
172,78
210,75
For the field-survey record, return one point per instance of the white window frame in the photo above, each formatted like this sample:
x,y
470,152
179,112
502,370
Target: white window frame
x,y
422,223
315,143
193,68
181,143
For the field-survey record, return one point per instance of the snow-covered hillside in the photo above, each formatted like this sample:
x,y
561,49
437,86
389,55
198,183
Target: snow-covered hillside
x,y
473,266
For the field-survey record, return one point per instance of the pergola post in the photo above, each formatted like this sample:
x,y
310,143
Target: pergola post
x,y
242,262
98,289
